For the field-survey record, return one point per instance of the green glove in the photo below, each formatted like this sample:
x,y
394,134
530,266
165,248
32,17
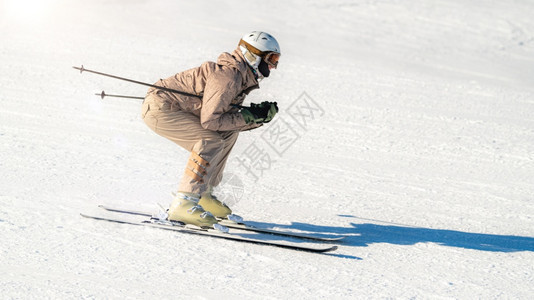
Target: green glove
x,y
260,113
273,109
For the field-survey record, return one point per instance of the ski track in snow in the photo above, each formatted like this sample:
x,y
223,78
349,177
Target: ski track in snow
x,y
421,152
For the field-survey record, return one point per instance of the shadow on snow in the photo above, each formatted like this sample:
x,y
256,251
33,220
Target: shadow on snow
x,y
365,234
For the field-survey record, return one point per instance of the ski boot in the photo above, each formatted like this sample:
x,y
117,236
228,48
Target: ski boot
x,y
186,209
210,203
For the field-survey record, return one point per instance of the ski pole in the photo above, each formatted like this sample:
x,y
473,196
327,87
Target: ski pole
x,y
103,94
82,69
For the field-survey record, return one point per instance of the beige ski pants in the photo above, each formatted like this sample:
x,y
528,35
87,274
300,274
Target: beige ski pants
x,y
209,149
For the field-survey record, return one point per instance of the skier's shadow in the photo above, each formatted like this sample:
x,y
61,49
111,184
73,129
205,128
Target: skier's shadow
x,y
374,231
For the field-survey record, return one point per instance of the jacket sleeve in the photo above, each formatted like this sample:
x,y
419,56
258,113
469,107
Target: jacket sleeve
x,y
250,127
221,88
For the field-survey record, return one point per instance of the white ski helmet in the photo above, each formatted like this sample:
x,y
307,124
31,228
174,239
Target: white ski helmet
x,y
261,50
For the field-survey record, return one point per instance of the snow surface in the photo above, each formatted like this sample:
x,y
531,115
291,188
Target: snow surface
x,y
420,149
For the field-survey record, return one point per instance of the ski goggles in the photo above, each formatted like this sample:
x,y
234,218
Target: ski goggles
x,y
272,59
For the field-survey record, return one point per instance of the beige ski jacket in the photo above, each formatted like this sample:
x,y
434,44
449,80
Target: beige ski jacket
x,y
219,84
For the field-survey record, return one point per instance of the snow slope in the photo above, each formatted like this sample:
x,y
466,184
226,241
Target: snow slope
x,y
419,147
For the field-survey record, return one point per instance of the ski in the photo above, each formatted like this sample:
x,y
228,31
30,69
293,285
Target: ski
x,y
212,233
243,226
240,226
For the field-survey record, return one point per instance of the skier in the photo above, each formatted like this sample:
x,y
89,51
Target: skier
x,y
208,126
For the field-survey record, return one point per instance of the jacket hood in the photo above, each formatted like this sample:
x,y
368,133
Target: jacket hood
x,y
237,61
